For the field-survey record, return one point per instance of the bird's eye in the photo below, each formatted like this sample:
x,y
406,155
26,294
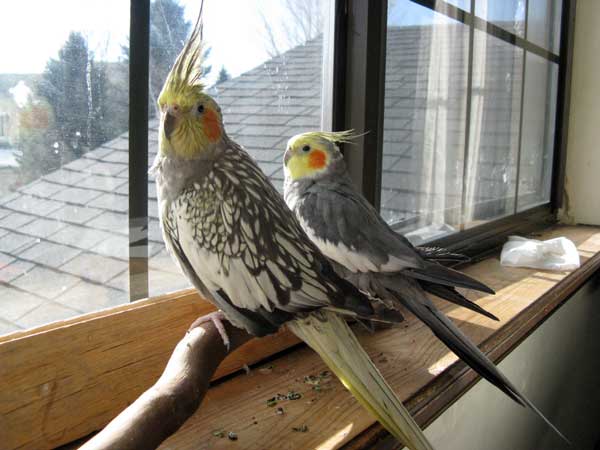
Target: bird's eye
x,y
200,109
306,148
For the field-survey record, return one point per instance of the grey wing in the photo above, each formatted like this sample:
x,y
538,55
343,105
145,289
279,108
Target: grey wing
x,y
348,230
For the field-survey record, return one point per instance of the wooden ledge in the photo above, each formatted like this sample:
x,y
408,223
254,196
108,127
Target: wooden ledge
x,y
62,381
417,365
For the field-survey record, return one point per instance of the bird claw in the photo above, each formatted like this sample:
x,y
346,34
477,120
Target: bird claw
x,y
216,318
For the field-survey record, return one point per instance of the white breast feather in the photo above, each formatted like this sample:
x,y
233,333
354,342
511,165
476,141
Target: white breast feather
x,y
240,286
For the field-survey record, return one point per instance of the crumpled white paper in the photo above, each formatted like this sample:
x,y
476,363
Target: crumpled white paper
x,y
553,254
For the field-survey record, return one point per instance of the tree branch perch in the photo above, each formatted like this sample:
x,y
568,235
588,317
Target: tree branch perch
x,y
163,408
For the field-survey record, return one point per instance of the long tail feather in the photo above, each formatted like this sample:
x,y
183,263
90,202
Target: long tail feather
x,y
452,295
436,273
415,300
329,335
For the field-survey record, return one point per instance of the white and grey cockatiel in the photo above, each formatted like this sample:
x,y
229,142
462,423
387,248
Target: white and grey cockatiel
x,y
232,235
367,252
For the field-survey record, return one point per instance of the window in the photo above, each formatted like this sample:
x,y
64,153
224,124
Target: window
x,y
69,242
470,113
468,121
63,103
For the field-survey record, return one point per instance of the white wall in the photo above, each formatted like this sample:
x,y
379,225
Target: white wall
x,y
582,202
557,368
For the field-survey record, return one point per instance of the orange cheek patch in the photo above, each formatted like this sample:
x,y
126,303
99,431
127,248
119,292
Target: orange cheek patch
x,y
317,159
211,125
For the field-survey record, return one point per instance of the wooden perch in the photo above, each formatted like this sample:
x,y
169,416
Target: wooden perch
x,y
163,408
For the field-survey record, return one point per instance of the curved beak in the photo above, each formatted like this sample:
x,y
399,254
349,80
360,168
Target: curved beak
x,y
169,123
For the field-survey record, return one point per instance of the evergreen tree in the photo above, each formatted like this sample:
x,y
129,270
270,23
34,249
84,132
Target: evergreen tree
x,y
223,75
73,92
74,86
100,127
65,86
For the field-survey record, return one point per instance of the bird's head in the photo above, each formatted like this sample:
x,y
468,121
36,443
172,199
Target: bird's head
x,y
190,120
315,154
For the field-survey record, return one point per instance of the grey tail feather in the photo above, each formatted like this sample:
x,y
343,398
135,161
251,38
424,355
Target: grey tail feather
x,y
441,254
418,303
452,295
350,300
436,273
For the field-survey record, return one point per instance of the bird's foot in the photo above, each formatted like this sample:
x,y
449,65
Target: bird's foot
x,y
216,318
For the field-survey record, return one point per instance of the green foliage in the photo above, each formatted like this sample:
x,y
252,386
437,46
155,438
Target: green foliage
x,y
223,75
37,155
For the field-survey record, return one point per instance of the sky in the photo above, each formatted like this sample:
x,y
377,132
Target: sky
x,y
32,31
233,28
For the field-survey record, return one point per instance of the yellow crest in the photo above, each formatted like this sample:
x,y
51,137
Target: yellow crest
x,y
346,136
183,81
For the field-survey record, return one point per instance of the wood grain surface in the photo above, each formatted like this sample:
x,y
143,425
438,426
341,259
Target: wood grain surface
x,y
65,380
410,358
68,379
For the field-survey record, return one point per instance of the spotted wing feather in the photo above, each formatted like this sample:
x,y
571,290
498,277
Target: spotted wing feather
x,y
240,240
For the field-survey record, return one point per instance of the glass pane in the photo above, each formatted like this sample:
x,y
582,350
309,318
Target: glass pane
x,y
507,14
424,121
537,141
268,82
494,130
63,160
543,23
465,5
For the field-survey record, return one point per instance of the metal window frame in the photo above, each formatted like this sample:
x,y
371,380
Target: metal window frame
x,y
139,57
364,82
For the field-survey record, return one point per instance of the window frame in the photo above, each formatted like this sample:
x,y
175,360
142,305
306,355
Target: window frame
x,y
139,92
365,78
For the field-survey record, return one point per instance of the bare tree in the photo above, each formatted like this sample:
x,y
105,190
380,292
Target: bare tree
x,y
302,21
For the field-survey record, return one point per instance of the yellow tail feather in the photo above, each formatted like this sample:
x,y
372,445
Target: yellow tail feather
x,y
329,335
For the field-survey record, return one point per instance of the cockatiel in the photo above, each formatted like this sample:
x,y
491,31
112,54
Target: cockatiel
x,y
367,252
232,235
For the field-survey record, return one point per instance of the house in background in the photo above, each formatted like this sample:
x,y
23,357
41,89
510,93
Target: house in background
x,y
14,90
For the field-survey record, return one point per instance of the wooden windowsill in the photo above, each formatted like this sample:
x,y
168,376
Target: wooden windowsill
x,y
62,381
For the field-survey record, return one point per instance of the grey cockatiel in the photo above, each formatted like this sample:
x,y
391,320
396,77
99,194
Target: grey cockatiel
x,y
233,236
368,253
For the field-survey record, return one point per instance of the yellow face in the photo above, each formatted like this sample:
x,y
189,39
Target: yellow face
x,y
306,157
190,123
